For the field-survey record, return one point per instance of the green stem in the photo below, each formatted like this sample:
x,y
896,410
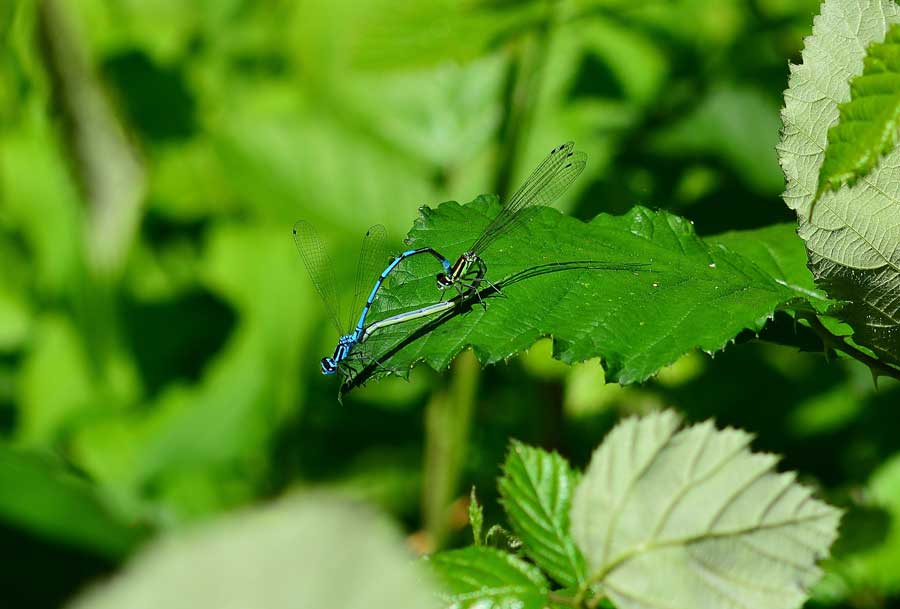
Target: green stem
x,y
107,167
580,600
449,412
595,601
448,417
522,90
583,589
562,599
839,343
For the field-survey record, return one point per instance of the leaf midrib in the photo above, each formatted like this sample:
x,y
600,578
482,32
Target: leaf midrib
x,y
561,537
643,548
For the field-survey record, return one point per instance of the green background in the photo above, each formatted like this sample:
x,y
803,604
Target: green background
x,y
159,358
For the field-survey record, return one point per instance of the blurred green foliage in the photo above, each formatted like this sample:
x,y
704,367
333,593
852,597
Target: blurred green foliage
x,y
179,379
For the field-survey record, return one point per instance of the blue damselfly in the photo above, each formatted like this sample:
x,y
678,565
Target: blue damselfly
x,y
372,255
547,182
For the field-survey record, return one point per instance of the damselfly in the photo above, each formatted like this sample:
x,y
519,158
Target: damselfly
x,y
373,345
547,182
372,255
400,318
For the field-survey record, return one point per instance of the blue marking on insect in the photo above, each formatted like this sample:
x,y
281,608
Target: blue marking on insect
x,y
320,270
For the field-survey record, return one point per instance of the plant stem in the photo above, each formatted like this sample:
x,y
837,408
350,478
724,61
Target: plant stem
x,y
562,599
579,601
594,602
448,418
449,412
107,166
839,343
522,90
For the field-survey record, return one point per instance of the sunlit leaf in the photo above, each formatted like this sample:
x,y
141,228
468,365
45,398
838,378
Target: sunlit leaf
x,y
691,295
869,123
693,519
423,33
536,489
46,409
779,252
199,443
486,578
853,236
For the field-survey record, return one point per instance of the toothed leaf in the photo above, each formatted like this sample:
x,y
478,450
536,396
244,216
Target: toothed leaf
x,y
691,519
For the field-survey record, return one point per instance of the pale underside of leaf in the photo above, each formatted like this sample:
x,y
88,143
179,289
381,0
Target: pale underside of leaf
x,y
309,551
858,226
670,519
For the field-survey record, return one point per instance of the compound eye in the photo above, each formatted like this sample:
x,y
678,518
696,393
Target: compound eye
x,y
442,281
328,366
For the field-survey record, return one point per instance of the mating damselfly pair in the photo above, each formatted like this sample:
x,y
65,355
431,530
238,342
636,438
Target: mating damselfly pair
x,y
467,275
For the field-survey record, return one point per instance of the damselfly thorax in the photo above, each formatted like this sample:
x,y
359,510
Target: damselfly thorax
x,y
548,181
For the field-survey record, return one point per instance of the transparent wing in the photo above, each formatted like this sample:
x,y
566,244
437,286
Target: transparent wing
x,y
372,358
545,184
319,267
373,258
367,359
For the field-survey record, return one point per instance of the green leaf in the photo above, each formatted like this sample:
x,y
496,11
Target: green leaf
x,y
778,251
872,566
712,129
867,126
199,443
536,489
37,493
693,519
295,553
853,238
697,295
485,578
476,518
405,35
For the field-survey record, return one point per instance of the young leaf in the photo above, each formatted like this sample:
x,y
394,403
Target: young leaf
x,y
853,238
536,489
314,551
479,577
692,295
869,122
693,519
476,518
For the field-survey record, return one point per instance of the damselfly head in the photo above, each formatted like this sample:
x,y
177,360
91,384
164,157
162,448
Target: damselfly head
x,y
328,365
444,281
